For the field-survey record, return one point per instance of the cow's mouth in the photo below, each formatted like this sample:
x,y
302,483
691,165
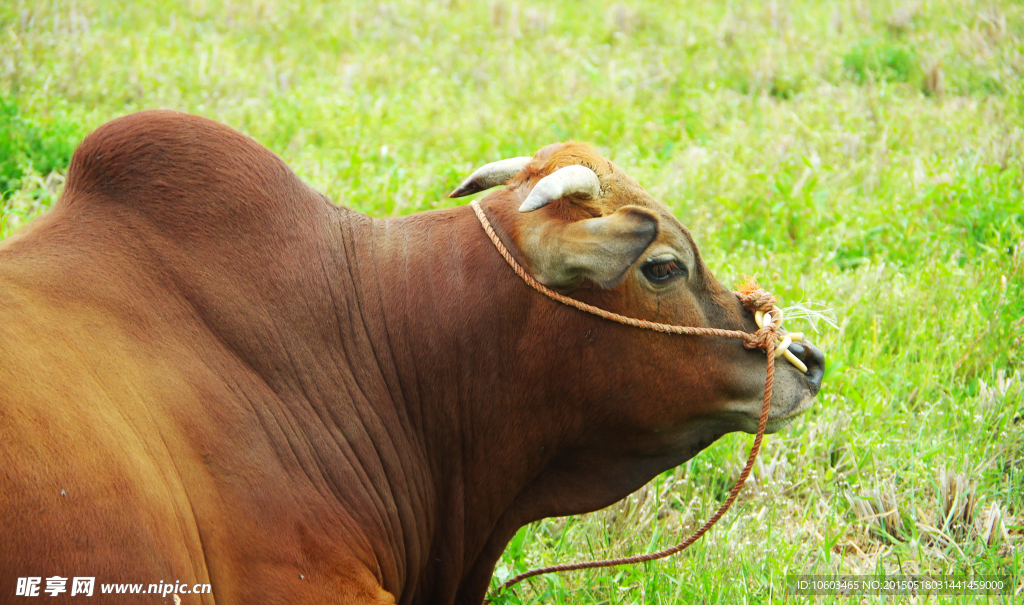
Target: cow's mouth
x,y
794,392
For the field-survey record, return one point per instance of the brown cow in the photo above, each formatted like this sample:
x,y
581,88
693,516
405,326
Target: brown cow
x,y
211,374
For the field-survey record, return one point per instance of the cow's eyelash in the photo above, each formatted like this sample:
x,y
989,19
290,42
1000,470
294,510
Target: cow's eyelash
x,y
663,271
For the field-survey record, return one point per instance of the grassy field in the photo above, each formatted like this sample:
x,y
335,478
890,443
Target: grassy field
x,y
867,155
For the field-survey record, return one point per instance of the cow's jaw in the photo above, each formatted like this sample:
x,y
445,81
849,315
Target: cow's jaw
x,y
777,424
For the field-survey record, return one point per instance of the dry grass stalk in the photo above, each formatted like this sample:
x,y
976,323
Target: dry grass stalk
x,y
837,20
993,24
506,15
902,19
991,527
765,73
539,21
621,18
624,511
499,13
934,81
879,510
863,11
513,21
729,28
1008,149
779,18
936,535
994,395
957,502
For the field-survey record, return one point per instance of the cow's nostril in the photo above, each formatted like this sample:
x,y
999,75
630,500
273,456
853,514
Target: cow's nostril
x,y
808,353
813,358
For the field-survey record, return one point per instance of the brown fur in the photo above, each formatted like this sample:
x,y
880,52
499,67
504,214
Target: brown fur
x,y
211,374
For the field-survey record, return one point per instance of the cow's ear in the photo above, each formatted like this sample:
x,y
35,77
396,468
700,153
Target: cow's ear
x,y
564,253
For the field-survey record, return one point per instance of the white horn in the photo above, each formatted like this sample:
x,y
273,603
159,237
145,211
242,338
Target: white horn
x,y
491,175
571,180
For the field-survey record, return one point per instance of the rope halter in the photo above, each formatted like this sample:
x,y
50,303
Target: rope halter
x,y
768,317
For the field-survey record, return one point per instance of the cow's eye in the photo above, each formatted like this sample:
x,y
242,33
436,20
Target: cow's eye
x,y
663,271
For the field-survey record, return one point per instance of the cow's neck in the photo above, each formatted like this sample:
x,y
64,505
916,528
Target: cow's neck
x,y
476,378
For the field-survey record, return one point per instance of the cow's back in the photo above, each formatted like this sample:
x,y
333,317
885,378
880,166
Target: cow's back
x,y
132,411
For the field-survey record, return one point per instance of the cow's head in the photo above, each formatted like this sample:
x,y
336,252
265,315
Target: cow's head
x,y
583,227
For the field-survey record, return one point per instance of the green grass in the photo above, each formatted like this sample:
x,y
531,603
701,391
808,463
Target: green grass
x,y
880,61
801,141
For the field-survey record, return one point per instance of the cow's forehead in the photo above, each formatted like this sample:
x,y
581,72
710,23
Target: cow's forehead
x,y
617,187
626,190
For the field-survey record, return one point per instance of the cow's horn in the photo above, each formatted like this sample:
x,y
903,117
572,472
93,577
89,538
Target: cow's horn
x,y
491,175
571,180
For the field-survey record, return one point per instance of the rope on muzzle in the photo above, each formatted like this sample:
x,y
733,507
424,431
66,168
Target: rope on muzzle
x,y
768,317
